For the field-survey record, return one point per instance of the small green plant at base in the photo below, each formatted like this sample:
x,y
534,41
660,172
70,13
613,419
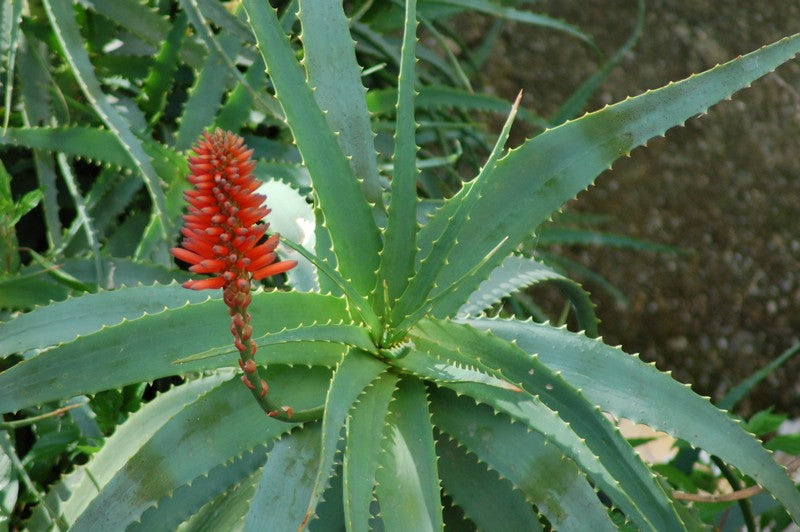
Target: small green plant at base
x,y
386,400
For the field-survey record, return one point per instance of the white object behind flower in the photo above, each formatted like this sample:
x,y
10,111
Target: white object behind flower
x,y
293,218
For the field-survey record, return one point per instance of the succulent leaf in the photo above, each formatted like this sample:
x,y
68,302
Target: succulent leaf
x,y
362,449
534,466
408,481
353,232
351,376
550,169
622,384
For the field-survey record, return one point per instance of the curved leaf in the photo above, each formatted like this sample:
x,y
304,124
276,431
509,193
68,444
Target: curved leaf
x,y
408,481
286,482
179,506
555,485
145,348
81,486
517,273
354,234
351,376
362,449
624,386
79,315
397,255
430,368
550,169
652,508
156,469
413,299
480,492
334,73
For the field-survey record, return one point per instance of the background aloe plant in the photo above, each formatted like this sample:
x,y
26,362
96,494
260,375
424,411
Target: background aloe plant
x,y
412,409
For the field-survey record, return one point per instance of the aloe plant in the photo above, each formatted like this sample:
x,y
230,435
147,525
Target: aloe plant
x,y
398,401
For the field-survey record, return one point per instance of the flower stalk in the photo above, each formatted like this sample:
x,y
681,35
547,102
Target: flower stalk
x,y
223,236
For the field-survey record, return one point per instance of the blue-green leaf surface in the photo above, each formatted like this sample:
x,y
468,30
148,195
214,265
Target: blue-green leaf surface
x,y
217,427
516,273
286,482
330,61
362,449
146,348
648,505
397,255
347,215
535,180
177,507
481,492
351,376
408,481
536,467
624,386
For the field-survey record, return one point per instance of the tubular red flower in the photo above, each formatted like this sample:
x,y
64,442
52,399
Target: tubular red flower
x,y
221,229
223,237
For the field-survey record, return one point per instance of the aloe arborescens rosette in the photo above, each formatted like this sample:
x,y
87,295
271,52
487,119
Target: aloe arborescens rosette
x,y
397,378
222,236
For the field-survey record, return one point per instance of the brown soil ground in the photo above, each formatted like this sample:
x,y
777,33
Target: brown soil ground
x,y
727,185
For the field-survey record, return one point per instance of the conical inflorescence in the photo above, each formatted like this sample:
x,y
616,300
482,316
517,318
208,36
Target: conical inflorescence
x,y
223,236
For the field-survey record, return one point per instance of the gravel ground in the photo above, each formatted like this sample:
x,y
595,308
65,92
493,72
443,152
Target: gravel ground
x,y
727,185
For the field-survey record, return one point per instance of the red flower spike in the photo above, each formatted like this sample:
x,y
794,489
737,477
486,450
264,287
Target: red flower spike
x,y
222,237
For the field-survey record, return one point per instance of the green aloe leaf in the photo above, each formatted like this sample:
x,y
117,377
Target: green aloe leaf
x,y
624,386
146,348
481,492
397,259
362,449
517,273
179,506
652,508
156,469
351,376
350,334
62,18
205,96
413,299
555,485
333,71
79,316
530,410
146,23
430,368
408,480
287,481
79,487
550,169
160,77
353,232
225,511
